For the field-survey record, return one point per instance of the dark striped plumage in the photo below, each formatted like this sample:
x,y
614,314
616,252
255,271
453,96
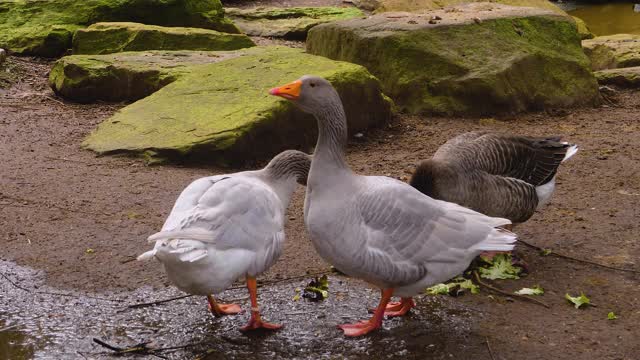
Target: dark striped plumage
x,y
497,174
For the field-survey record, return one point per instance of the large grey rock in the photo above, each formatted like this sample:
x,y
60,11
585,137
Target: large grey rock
x,y
613,51
289,23
222,112
46,27
110,37
473,59
628,77
125,76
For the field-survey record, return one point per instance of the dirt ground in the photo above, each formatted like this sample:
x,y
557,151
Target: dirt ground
x,y
82,219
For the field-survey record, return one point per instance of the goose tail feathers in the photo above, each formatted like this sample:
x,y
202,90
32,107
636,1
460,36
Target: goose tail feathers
x,y
572,150
147,256
190,234
498,239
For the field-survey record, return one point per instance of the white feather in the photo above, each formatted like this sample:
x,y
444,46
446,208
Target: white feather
x,y
572,150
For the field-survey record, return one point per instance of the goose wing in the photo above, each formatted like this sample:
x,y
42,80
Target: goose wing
x,y
534,160
232,211
407,232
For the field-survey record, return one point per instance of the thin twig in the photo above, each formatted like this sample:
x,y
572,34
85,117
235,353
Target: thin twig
x,y
54,99
326,272
522,297
10,327
142,305
486,339
578,260
54,293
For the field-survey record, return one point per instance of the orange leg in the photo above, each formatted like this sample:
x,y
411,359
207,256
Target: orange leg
x,y
222,309
397,308
365,327
256,321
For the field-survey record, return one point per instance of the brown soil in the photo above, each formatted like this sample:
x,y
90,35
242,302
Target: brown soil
x,y
83,218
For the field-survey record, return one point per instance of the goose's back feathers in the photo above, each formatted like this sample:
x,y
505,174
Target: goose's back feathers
x,y
496,174
220,228
530,159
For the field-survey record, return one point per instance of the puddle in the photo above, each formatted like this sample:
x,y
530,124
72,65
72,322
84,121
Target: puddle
x,y
608,18
47,325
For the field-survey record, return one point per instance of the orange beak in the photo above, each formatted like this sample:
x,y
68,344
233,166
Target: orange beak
x,y
290,91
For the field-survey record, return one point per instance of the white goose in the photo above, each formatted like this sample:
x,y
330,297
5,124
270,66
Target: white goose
x,y
225,227
379,229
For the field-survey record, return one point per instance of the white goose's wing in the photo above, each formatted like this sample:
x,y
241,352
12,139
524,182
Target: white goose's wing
x,y
408,234
231,211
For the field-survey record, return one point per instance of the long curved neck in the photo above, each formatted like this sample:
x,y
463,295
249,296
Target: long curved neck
x,y
332,135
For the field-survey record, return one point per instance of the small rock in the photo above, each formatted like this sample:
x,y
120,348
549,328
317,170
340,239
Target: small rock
x,y
436,17
358,135
432,21
477,20
3,56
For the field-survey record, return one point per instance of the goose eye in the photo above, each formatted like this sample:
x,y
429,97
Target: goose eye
x,y
312,84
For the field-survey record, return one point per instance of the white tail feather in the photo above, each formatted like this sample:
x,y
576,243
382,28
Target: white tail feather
x,y
147,256
572,150
497,240
191,234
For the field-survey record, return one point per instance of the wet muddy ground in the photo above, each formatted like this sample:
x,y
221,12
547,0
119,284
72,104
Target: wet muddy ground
x,y
80,220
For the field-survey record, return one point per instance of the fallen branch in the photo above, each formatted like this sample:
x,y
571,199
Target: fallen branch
x,y
54,293
578,260
142,305
143,348
486,339
495,289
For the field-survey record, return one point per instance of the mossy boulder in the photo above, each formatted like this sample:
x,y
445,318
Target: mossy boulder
x,y
583,29
125,76
624,77
613,51
419,5
478,59
289,23
107,38
45,28
222,112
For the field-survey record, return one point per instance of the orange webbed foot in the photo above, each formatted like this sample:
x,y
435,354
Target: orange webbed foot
x,y
359,328
259,324
398,308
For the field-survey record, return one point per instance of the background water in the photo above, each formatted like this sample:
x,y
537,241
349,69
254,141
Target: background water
x,y
607,18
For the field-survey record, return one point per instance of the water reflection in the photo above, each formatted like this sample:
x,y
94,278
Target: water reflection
x,y
610,18
63,326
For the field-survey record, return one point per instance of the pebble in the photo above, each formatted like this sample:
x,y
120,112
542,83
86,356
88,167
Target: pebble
x,y
3,56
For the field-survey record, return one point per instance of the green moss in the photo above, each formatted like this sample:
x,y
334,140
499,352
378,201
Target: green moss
x,y
289,23
613,51
125,76
583,29
503,63
45,28
106,38
222,112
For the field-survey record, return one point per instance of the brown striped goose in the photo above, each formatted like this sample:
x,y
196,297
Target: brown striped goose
x,y
377,228
229,226
497,174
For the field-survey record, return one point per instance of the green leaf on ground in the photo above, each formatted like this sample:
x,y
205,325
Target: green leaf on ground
x,y
438,289
612,316
317,289
500,267
535,290
468,284
545,252
578,301
454,287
